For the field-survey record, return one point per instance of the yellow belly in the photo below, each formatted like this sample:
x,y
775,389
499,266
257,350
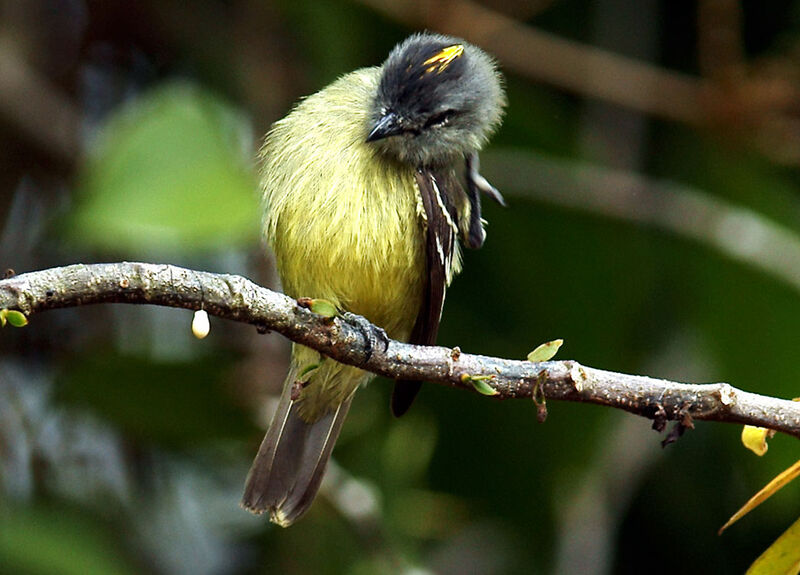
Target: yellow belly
x,y
345,225
364,256
343,221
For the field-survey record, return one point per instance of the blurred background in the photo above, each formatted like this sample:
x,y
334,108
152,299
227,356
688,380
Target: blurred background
x,y
650,156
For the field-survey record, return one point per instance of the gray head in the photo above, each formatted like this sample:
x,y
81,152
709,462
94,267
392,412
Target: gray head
x,y
439,99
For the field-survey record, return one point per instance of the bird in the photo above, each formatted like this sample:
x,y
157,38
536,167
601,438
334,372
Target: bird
x,y
369,187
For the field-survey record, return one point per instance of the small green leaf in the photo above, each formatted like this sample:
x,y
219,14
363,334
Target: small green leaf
x,y
16,318
546,351
324,308
13,317
479,383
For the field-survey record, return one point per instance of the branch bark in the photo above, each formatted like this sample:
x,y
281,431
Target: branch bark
x,y
353,340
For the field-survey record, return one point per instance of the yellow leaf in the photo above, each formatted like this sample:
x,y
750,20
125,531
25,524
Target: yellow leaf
x,y
782,557
755,439
765,493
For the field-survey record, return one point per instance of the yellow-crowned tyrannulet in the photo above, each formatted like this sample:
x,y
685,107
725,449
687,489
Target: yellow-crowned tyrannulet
x,y
367,185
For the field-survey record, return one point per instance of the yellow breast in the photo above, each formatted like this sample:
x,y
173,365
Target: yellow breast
x,y
343,221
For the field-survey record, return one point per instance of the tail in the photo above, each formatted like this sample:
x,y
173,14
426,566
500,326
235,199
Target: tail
x,y
403,396
291,461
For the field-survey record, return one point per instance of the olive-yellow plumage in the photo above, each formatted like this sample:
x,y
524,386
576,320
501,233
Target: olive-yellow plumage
x,y
363,248
363,207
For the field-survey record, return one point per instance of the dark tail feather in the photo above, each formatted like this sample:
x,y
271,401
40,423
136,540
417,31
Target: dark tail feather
x,y
403,395
291,461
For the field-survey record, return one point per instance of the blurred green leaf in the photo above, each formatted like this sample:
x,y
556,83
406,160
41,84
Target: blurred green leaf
x,y
176,404
169,171
40,542
404,466
318,26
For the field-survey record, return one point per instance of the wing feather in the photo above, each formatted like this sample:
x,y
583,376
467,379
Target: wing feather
x,y
437,190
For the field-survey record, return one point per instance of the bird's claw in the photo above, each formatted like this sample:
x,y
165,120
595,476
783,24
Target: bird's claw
x,y
374,336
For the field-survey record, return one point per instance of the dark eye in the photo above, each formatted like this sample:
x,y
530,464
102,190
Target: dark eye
x,y
440,119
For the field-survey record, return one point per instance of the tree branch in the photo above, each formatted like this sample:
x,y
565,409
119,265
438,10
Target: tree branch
x,y
569,65
353,340
735,231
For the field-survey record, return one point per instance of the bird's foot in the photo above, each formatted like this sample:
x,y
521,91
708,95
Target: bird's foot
x,y
374,337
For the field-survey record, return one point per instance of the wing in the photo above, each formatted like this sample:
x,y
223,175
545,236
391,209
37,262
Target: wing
x,y
437,189
440,192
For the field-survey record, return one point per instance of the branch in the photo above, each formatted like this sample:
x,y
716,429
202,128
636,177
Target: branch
x,y
752,99
569,65
353,340
37,108
735,231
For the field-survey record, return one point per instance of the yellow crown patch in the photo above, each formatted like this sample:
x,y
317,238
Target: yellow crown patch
x,y
439,62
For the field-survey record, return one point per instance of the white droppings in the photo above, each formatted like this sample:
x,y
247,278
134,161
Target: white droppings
x,y
200,324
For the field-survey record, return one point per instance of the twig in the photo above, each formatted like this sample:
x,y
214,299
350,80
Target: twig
x,y
754,101
351,339
38,109
563,63
735,231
